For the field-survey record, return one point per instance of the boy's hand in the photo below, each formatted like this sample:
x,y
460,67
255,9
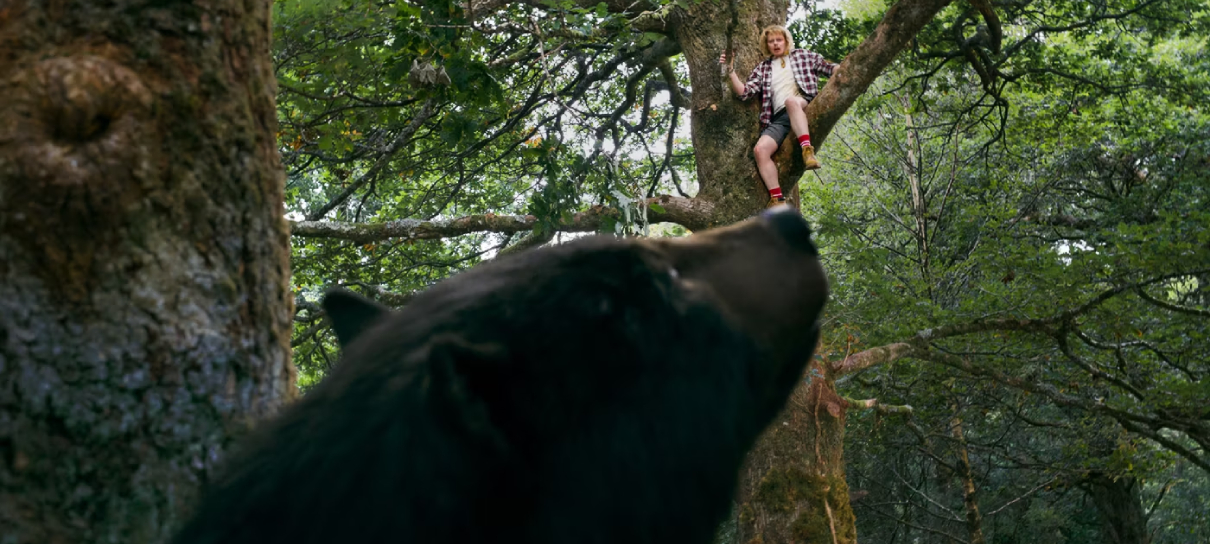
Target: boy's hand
x,y
722,63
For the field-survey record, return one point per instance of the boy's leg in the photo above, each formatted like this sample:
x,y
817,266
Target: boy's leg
x,y
796,107
766,146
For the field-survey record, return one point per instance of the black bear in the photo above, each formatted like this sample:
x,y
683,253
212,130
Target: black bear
x,y
600,391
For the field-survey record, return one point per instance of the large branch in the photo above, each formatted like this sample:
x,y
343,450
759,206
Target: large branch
x,y
1170,306
870,357
859,70
690,213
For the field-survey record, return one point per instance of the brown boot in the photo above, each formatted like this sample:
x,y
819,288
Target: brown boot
x,y
808,158
775,202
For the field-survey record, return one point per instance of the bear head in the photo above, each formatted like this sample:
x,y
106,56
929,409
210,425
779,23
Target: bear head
x,y
603,390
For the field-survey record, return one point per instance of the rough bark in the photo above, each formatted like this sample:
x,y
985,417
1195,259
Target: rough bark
x,y
144,298
792,487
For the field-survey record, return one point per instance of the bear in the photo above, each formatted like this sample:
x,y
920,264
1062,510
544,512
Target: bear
x,y
604,390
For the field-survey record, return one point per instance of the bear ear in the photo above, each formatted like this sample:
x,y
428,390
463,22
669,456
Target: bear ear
x,y
467,358
466,379
351,314
458,363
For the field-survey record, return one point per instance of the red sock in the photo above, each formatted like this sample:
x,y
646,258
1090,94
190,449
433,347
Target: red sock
x,y
804,140
775,193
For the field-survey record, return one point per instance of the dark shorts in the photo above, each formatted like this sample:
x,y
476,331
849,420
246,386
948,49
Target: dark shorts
x,y
778,127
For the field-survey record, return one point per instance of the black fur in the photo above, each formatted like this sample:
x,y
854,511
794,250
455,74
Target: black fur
x,y
603,391
350,314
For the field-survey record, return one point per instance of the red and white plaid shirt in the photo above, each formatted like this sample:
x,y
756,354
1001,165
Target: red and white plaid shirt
x,y
807,67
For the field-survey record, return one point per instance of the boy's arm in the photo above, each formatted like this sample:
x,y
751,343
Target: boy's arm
x,y
751,87
822,66
742,90
736,85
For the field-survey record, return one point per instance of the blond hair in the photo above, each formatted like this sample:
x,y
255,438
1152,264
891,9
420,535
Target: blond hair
x,y
764,38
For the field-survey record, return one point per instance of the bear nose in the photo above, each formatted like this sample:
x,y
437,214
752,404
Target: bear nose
x,y
790,225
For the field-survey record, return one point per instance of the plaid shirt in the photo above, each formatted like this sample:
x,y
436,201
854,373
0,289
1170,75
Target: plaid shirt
x,y
807,67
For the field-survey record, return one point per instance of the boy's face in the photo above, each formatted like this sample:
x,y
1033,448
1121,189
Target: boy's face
x,y
776,43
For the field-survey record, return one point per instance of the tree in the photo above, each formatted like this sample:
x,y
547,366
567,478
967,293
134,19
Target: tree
x,y
144,301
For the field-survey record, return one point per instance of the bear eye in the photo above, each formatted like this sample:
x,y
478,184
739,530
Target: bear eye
x,y
672,273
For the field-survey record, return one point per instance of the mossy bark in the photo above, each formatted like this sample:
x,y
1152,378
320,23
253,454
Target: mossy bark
x,y
792,487
144,274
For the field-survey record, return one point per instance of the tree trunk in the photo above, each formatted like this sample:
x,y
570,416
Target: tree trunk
x,y
792,487
725,129
1123,520
144,275
974,519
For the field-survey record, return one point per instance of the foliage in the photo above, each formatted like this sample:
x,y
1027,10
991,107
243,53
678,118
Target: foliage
x,y
519,130
1084,207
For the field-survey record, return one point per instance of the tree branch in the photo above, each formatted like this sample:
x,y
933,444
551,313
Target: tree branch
x,y
870,357
1022,496
867,62
421,116
993,23
1030,325
533,239
693,214
1144,426
1169,306
867,404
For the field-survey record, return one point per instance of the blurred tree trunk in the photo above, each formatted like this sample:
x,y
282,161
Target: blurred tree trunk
x,y
144,275
974,519
792,487
1123,520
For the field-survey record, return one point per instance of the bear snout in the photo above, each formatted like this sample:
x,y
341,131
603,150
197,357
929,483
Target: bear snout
x,y
791,226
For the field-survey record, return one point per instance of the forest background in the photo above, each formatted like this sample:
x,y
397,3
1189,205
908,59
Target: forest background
x,y
1038,204
1013,214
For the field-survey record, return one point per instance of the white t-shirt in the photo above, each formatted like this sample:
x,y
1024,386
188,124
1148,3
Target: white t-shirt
x,y
783,83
